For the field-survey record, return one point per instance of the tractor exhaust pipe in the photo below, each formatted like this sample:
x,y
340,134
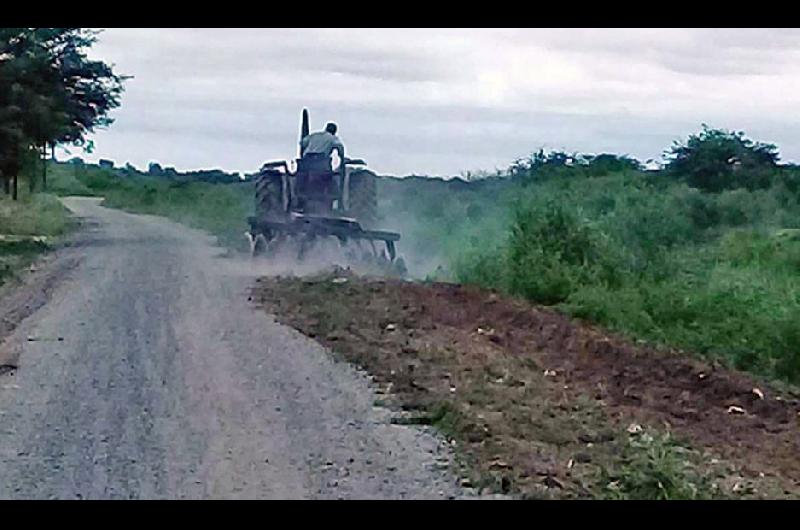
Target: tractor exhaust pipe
x,y
304,129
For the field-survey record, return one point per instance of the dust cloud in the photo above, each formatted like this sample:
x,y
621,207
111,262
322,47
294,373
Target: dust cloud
x,y
321,256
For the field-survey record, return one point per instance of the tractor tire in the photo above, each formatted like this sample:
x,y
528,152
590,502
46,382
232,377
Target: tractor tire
x,y
363,196
270,199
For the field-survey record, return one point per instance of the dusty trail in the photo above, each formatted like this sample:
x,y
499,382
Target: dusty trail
x,y
150,375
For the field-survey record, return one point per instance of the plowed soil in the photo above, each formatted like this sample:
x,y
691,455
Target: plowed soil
x,y
539,403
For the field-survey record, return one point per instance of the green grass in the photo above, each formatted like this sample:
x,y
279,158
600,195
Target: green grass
x,y
38,214
31,215
657,467
220,209
65,179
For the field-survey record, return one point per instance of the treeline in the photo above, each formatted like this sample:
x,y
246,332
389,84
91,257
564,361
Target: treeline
x,y
712,160
214,176
156,171
51,93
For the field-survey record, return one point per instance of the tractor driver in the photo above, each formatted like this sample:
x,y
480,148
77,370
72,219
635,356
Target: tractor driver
x,y
315,175
316,149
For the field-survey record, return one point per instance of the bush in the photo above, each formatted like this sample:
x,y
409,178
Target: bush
x,y
548,255
479,267
474,211
32,215
787,354
99,180
754,248
702,210
554,231
735,208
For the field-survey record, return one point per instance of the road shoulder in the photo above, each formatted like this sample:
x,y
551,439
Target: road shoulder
x,y
30,289
542,406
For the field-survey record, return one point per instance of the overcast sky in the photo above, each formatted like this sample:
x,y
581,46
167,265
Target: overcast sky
x,y
440,101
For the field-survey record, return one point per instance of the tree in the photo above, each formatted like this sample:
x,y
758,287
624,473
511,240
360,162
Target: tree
x,y
717,159
91,89
543,164
606,163
11,111
50,93
29,93
541,160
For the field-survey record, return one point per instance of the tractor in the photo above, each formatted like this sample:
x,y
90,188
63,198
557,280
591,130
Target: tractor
x,y
300,203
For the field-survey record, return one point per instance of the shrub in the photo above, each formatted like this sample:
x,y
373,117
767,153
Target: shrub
x,y
702,210
551,252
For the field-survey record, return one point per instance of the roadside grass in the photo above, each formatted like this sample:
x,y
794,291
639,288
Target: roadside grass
x,y
29,227
654,466
220,209
67,179
32,215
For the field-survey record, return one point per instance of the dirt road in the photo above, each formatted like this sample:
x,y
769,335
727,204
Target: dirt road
x,y
150,375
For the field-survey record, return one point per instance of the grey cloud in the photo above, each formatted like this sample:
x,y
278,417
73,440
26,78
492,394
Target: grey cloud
x,y
238,53
436,140
698,52
412,101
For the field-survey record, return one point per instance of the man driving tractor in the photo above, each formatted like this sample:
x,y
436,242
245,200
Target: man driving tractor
x,y
319,146
315,171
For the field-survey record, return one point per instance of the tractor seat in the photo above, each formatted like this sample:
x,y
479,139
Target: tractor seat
x,y
314,163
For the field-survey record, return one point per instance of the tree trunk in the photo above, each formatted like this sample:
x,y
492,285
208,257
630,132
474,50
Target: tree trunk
x,y
7,184
44,167
12,170
32,178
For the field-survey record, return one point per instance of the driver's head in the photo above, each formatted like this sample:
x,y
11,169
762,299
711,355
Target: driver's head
x,y
331,127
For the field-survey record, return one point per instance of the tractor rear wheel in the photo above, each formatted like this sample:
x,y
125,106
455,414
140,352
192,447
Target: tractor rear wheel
x,y
364,198
270,197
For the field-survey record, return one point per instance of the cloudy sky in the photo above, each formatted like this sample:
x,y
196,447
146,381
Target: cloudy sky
x,y
430,101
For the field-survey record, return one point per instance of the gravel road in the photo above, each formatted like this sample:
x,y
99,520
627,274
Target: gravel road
x,y
148,374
